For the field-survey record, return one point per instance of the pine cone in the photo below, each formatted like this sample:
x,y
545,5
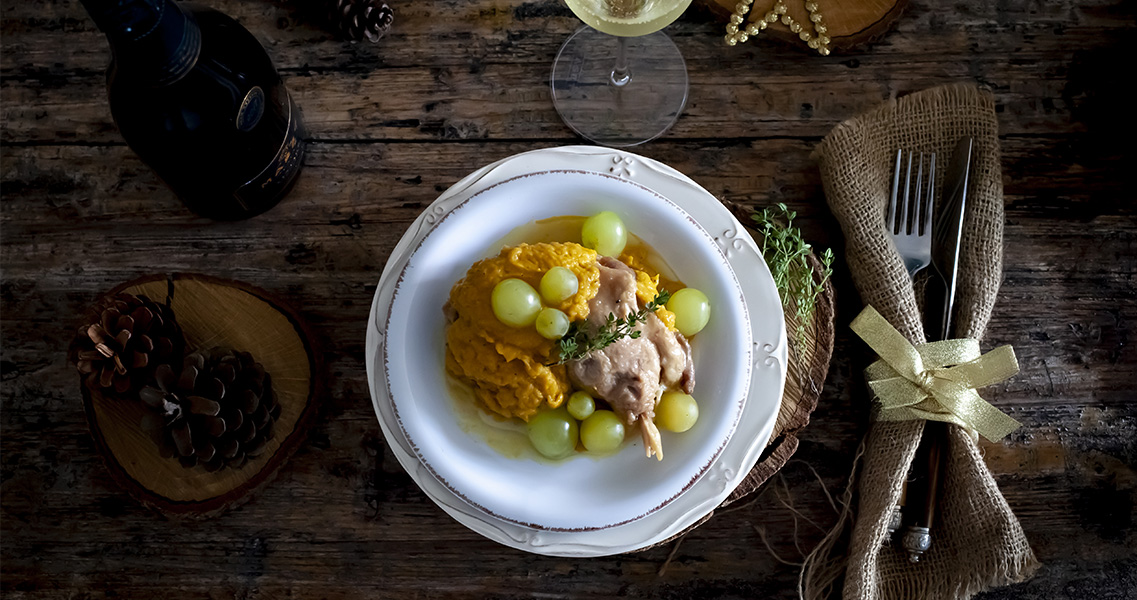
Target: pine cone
x,y
357,19
218,411
124,340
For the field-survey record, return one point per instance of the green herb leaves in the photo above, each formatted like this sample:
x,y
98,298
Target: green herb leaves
x,y
578,342
787,254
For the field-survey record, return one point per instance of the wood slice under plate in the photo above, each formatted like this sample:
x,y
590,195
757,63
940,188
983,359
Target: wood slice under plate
x,y
805,375
212,312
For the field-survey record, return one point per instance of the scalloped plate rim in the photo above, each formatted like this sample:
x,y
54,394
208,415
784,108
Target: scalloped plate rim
x,y
761,415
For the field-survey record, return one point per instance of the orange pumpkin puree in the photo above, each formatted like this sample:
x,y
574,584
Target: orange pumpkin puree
x,y
510,369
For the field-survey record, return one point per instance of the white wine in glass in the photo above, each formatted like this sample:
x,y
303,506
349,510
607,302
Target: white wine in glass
x,y
620,81
628,18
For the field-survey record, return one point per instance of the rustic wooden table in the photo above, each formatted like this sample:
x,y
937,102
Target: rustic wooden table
x,y
455,86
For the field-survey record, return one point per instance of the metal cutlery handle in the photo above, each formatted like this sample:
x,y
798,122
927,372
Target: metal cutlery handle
x,y
947,236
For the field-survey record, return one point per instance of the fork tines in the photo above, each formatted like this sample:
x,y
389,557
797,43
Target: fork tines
x,y
919,222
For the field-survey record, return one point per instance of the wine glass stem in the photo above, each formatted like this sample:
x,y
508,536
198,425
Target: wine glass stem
x,y
621,74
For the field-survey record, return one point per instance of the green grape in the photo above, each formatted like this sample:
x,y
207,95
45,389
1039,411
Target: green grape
x,y
676,412
515,303
605,233
553,433
602,432
580,405
558,284
692,310
552,324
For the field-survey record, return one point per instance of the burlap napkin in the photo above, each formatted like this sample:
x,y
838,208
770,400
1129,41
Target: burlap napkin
x,y
978,542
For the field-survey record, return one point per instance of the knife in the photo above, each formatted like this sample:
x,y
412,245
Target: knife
x,y
947,233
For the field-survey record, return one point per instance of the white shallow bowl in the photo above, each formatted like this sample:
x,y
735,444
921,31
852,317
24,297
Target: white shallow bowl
x,y
584,506
582,492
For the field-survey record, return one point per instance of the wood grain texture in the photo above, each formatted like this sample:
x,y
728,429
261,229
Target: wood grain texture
x,y
849,23
213,313
809,357
808,364
452,88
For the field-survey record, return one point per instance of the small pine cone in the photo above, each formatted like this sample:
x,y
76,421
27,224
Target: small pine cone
x,y
218,411
124,339
358,19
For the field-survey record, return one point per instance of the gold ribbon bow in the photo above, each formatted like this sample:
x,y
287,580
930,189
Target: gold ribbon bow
x,y
934,381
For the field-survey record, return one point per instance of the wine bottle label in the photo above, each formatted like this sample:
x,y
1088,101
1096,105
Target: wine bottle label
x,y
275,179
251,110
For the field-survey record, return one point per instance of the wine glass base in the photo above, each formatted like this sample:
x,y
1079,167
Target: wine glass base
x,y
598,108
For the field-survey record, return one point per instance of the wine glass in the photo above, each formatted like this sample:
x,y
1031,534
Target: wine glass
x,y
619,80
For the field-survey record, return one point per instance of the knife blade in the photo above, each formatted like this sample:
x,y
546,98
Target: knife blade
x,y
947,235
947,231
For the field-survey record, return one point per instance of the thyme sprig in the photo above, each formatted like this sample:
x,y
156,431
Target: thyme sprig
x,y
787,255
580,340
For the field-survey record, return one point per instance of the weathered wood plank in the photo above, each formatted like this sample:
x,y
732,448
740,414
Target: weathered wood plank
x,y
512,102
458,85
465,87
453,34
489,96
343,219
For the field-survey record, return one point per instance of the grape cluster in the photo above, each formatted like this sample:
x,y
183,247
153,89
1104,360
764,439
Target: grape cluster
x,y
517,304
556,433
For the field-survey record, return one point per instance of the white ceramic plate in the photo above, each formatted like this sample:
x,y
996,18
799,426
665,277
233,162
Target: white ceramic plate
x,y
475,489
583,492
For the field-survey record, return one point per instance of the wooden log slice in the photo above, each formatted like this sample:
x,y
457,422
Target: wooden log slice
x,y
805,375
849,23
212,312
807,368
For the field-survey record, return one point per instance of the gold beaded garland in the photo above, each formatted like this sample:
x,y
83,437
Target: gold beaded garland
x,y
736,33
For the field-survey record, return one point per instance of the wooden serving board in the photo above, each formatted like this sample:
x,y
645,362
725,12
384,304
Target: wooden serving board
x,y
850,23
807,368
805,375
211,312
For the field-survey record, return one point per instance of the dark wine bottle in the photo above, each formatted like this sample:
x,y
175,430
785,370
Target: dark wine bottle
x,y
198,98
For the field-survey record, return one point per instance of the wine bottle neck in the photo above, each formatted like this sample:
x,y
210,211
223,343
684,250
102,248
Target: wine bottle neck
x,y
155,40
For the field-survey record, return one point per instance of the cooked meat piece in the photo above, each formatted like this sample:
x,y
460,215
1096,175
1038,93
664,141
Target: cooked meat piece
x,y
687,379
617,293
626,374
632,373
677,368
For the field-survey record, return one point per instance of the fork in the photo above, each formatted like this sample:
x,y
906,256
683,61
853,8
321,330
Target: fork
x,y
909,218
909,222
